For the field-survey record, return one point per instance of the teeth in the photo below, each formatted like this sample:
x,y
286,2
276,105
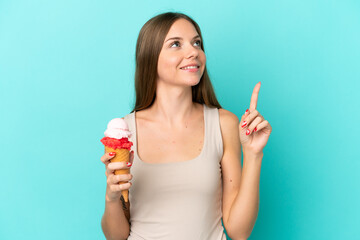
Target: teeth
x,y
190,67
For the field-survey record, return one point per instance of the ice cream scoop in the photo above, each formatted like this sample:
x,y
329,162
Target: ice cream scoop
x,y
117,128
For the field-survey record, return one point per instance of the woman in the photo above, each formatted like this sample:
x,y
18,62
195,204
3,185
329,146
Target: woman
x,y
186,173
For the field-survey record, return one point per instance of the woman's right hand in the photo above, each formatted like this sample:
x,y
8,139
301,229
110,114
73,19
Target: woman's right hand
x,y
113,190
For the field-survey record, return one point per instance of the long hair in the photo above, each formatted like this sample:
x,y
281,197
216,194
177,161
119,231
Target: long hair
x,y
148,47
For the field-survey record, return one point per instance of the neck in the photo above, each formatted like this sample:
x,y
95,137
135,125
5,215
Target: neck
x,y
173,106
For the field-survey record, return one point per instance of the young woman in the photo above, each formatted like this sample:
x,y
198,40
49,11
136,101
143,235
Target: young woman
x,y
186,161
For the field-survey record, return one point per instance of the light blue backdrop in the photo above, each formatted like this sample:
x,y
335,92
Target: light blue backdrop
x,y
67,68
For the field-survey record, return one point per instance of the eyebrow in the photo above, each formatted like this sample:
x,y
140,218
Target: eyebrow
x,y
179,38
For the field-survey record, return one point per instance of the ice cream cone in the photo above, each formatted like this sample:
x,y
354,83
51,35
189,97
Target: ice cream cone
x,y
117,140
122,155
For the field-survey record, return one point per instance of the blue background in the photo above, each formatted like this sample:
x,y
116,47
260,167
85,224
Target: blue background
x,y
67,68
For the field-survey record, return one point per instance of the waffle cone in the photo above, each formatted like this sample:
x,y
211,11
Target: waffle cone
x,y
122,155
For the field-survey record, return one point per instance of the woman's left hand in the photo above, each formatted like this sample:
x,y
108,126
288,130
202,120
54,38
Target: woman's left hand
x,y
254,130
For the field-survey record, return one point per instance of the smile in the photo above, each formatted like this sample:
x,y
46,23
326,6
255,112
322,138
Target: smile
x,y
190,67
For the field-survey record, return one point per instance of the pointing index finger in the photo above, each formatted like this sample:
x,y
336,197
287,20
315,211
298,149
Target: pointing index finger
x,y
254,97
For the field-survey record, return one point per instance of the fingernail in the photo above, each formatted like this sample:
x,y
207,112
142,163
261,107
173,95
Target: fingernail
x,y
246,110
247,132
129,164
243,124
112,154
255,129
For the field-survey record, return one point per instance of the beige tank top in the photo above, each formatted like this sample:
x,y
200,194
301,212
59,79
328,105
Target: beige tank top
x,y
178,200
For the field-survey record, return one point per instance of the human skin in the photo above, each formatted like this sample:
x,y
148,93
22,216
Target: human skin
x,y
177,53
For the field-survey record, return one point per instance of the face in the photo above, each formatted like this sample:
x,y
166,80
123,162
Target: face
x,y
181,48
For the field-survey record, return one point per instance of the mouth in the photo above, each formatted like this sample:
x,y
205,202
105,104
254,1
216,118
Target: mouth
x,y
193,67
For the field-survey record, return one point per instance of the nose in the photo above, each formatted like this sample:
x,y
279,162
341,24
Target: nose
x,y
192,52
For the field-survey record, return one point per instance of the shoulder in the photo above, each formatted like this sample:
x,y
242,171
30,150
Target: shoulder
x,y
229,125
227,119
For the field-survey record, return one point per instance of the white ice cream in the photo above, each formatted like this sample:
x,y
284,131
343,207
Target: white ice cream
x,y
117,128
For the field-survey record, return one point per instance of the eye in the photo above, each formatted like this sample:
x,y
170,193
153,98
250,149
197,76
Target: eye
x,y
199,42
173,43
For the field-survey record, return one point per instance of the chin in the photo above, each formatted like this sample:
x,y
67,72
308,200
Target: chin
x,y
194,83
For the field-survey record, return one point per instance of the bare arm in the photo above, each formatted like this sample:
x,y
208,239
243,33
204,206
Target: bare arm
x,y
245,208
115,223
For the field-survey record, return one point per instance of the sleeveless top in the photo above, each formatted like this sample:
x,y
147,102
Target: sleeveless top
x,y
178,200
